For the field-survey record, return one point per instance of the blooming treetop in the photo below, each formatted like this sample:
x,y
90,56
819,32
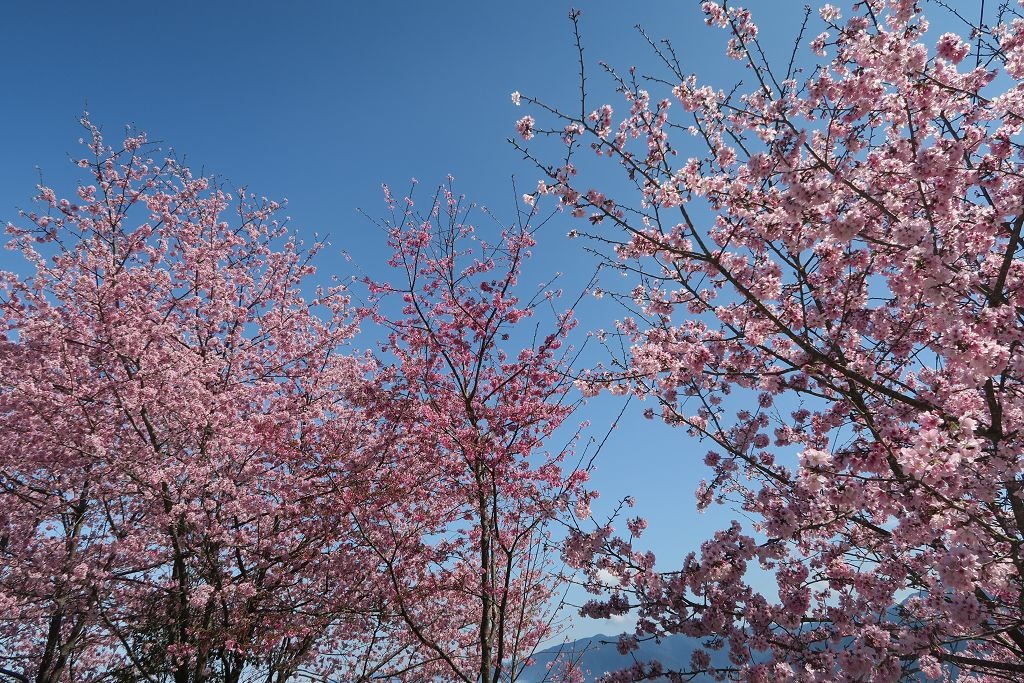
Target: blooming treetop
x,y
470,567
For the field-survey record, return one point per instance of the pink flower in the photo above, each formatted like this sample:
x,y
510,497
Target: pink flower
x,y
636,526
813,457
830,13
524,127
951,48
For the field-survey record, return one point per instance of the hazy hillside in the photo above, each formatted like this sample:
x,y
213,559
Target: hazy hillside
x,y
599,655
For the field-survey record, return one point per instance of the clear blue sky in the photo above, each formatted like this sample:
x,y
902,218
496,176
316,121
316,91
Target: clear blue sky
x,y
320,102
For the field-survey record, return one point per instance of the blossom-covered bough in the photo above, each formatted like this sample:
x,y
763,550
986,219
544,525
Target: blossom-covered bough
x,y
829,293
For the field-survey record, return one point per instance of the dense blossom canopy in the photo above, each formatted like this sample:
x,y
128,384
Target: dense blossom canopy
x,y
202,481
172,409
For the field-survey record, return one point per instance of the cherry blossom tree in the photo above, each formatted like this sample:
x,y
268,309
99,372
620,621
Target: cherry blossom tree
x,y
829,292
470,562
180,422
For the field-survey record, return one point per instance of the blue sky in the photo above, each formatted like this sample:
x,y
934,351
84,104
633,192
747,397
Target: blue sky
x,y
321,102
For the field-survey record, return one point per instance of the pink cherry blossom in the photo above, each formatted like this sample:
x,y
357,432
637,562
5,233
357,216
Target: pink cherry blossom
x,y
524,127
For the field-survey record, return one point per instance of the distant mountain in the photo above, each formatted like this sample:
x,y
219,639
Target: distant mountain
x,y
599,655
